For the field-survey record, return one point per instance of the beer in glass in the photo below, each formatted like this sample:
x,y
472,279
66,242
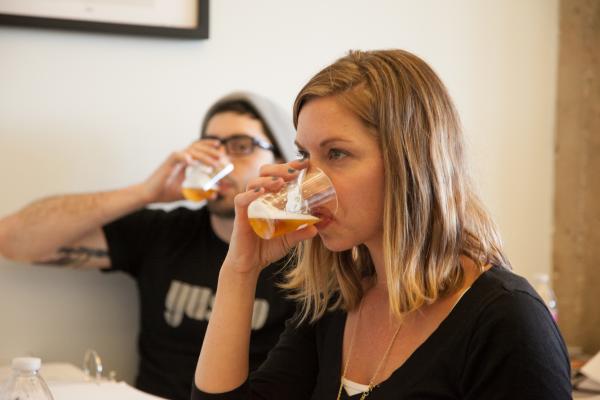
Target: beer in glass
x,y
296,206
200,180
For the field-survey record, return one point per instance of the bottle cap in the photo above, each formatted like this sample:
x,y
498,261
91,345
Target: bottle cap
x,y
26,363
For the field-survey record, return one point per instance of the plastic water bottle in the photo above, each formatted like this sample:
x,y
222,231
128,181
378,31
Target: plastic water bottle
x,y
25,382
544,288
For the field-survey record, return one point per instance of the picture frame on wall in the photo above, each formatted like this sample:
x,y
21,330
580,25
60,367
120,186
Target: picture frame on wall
x,y
166,18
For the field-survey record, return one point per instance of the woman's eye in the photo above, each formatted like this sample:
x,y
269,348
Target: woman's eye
x,y
301,154
336,154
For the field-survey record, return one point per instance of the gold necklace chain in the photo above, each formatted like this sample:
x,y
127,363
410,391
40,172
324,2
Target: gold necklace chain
x,y
379,366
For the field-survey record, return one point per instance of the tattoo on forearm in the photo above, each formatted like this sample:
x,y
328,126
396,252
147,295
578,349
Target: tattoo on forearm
x,y
75,256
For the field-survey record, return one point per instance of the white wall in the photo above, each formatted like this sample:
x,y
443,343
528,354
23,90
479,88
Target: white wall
x,y
82,112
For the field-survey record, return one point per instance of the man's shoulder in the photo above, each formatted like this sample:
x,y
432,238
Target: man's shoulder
x,y
156,222
174,210
180,215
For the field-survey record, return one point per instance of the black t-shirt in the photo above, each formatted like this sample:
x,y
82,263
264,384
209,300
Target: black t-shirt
x,y
499,342
175,259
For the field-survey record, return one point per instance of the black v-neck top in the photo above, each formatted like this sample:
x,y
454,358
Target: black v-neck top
x,y
499,342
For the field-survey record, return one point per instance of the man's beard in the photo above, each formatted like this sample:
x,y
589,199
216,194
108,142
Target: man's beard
x,y
221,207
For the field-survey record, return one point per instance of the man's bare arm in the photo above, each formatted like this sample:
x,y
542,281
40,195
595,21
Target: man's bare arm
x,y
90,252
66,230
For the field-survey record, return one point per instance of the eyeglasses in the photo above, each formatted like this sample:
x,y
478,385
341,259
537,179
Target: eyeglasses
x,y
240,144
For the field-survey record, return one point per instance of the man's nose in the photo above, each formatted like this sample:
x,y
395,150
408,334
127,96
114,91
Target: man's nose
x,y
223,156
222,149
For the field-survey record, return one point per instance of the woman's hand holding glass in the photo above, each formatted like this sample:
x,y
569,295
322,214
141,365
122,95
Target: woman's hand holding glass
x,y
247,251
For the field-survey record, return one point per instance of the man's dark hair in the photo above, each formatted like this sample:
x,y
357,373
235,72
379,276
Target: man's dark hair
x,y
243,108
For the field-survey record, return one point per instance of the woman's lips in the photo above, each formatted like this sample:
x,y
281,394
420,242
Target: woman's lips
x,y
325,217
323,223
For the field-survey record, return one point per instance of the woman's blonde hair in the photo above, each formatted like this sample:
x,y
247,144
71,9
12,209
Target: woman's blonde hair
x,y
431,214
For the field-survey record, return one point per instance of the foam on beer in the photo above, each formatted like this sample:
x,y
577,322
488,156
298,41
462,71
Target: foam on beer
x,y
196,176
261,210
269,222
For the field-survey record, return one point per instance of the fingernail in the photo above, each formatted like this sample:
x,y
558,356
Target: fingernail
x,y
257,190
291,170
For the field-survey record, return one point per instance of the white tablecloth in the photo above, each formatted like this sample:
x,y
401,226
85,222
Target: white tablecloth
x,y
67,382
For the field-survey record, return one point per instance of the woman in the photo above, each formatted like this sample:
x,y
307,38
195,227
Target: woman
x,y
406,293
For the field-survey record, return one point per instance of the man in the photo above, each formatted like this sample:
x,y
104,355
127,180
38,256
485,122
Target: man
x,y
174,256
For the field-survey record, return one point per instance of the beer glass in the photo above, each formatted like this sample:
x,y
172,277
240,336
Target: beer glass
x,y
301,202
200,180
